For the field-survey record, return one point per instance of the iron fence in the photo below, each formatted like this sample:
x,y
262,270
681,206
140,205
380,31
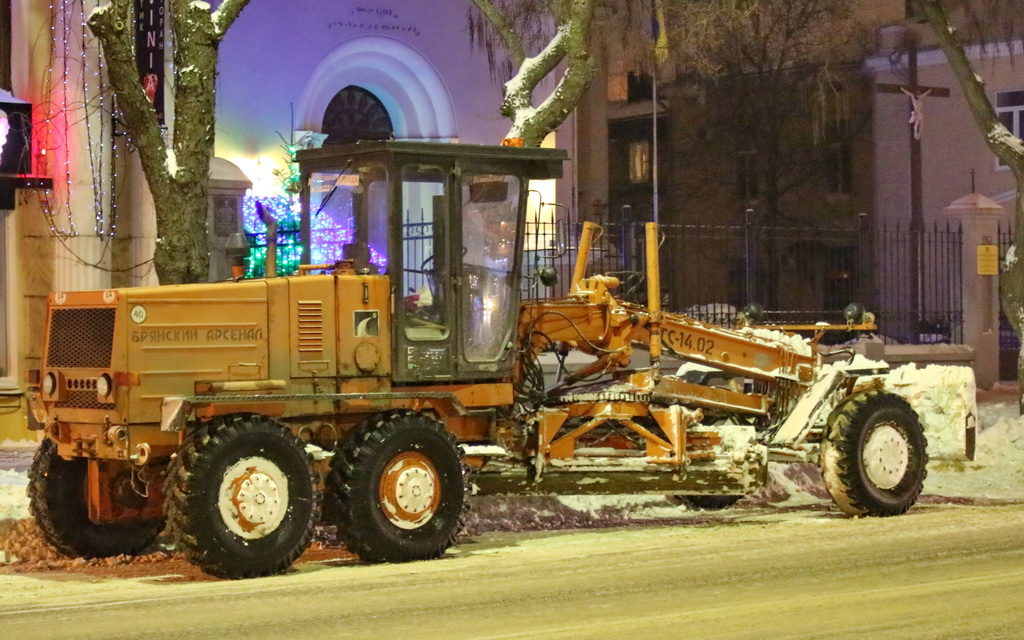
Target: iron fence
x,y
813,272
919,284
1009,341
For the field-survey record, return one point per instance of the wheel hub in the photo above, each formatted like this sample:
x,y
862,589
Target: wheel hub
x,y
409,490
886,456
253,497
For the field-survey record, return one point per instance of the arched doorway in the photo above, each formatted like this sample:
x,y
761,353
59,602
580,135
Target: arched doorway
x,y
408,88
356,114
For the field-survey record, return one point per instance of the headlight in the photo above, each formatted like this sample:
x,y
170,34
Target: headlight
x,y
50,384
103,386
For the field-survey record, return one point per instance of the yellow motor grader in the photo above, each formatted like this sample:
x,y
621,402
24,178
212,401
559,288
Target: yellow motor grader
x,y
373,392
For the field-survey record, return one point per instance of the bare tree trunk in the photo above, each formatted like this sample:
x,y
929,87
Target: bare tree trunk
x,y
1006,147
178,174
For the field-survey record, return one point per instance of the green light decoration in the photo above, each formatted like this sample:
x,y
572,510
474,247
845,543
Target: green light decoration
x,y
284,209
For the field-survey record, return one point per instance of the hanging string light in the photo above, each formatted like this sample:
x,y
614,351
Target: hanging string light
x,y
77,100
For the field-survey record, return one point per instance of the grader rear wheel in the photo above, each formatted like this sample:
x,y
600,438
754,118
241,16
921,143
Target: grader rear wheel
x,y
241,497
874,458
399,488
59,504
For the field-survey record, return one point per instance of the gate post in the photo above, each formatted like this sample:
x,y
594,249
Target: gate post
x,y
979,218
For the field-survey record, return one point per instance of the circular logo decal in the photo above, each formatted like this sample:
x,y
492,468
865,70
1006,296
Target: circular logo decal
x,y
109,296
138,314
60,297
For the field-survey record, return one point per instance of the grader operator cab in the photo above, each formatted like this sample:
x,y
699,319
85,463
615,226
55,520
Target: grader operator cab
x,y
374,390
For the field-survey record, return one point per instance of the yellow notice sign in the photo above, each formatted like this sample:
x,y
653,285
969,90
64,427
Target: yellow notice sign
x,y
988,260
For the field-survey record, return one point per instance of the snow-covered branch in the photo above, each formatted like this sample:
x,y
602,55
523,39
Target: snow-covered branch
x,y
226,14
111,23
177,173
519,89
569,44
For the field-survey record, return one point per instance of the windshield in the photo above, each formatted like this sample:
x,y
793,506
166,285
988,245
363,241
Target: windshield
x,y
348,218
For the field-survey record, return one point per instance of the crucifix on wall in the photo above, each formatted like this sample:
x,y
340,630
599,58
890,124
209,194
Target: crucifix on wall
x,y
917,94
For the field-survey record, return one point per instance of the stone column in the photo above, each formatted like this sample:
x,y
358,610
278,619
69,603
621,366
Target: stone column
x,y
979,218
224,215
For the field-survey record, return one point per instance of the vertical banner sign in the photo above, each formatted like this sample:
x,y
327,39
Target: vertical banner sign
x,y
149,51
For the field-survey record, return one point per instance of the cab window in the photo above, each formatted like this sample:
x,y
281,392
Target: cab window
x,y
424,259
348,218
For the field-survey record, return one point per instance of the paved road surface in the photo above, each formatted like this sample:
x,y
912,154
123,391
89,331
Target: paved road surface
x,y
942,571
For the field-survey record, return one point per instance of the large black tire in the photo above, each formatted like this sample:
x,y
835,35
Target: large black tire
x,y
242,498
399,488
706,503
59,503
875,455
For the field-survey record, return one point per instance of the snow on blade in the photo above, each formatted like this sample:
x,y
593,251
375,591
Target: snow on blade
x,y
799,344
998,468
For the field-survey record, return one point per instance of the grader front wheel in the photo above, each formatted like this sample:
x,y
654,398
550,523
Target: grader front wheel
x,y
241,497
59,504
399,488
874,458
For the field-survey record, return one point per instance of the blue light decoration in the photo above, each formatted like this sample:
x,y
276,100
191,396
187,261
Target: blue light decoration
x,y
326,237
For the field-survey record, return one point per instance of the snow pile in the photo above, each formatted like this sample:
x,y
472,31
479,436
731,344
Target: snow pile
x,y
944,398
997,471
13,495
18,444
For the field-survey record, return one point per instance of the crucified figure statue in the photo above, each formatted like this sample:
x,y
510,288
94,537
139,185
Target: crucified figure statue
x,y
916,110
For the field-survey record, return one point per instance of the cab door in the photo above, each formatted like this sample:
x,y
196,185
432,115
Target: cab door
x,y
422,270
488,271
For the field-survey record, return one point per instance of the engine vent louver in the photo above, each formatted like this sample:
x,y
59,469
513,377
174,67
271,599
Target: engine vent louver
x,y
81,338
311,326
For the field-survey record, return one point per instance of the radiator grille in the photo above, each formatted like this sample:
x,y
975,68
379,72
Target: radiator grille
x,y
82,400
82,338
311,326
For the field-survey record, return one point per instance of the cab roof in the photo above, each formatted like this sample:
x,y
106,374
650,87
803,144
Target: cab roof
x,y
528,162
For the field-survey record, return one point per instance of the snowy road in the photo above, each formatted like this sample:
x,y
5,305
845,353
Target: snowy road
x,y
942,571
